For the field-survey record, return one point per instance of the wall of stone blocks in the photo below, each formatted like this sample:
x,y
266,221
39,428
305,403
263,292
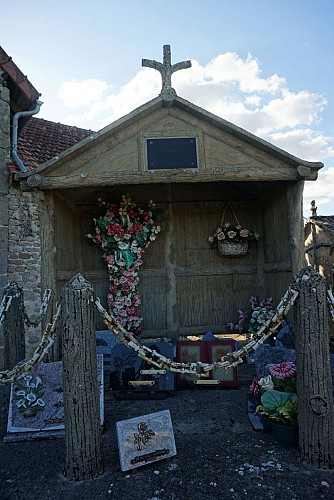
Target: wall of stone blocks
x,y
24,255
4,158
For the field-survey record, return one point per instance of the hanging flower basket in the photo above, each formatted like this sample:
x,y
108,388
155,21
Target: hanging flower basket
x,y
232,249
232,240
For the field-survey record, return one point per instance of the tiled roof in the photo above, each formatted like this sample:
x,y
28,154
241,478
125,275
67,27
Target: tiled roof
x,y
23,93
40,140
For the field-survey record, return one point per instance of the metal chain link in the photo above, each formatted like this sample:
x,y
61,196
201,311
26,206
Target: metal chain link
x,y
4,306
199,368
24,367
44,306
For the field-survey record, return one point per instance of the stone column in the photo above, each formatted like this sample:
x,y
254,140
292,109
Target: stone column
x,y
314,382
4,158
81,392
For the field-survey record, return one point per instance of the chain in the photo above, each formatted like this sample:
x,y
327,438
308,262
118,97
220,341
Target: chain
x,y
7,300
199,368
24,367
330,302
4,306
42,310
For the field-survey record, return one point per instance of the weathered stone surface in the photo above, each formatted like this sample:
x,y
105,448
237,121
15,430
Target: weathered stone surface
x,y
314,382
145,439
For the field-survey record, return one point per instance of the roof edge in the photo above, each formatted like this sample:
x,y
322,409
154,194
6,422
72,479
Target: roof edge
x,y
244,134
8,65
183,104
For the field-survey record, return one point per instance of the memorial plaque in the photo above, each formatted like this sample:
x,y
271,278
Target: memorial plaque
x,y
36,406
168,153
146,439
129,372
188,351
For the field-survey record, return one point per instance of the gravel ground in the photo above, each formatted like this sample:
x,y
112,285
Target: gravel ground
x,y
219,456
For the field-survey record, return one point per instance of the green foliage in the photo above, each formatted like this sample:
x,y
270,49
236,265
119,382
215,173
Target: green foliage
x,y
279,406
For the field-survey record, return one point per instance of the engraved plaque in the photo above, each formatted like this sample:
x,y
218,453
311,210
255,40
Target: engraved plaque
x,y
169,153
146,439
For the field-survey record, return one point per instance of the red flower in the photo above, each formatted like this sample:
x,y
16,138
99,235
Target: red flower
x,y
97,238
136,228
131,213
254,387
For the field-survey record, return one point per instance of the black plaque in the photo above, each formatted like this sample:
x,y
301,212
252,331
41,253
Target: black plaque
x,y
171,153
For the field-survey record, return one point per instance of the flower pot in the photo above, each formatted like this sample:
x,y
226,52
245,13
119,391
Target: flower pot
x,y
230,249
285,434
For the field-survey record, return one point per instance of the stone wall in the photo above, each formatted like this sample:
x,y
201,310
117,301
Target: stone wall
x,y
24,255
4,158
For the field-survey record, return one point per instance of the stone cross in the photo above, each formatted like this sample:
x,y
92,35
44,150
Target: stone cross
x,y
166,69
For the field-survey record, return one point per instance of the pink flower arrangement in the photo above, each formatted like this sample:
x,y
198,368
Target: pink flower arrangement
x,y
231,233
286,369
123,233
281,377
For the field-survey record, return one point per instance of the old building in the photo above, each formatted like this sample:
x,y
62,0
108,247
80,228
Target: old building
x,y
198,168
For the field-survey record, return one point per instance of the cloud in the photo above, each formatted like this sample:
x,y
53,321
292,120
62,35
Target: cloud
x,y
321,191
304,143
76,94
228,86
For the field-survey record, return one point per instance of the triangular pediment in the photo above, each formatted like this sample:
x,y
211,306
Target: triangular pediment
x,y
118,154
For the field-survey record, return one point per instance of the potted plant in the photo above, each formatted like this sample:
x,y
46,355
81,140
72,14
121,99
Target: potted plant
x,y
275,398
282,410
232,240
251,319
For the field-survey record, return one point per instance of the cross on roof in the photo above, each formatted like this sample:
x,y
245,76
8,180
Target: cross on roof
x,y
166,69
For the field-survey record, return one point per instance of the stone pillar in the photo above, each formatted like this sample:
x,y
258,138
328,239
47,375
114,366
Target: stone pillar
x,y
314,382
14,343
81,390
4,158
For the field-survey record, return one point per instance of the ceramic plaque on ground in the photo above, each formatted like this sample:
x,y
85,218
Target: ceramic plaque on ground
x,y
146,439
36,403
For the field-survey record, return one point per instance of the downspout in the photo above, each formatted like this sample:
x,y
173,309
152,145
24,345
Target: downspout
x,y
16,118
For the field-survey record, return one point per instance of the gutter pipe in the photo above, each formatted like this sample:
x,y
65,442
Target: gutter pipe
x,y
16,118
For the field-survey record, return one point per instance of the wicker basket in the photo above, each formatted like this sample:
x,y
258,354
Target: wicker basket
x,y
232,249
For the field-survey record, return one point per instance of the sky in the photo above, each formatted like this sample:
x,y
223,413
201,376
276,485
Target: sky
x,y
264,65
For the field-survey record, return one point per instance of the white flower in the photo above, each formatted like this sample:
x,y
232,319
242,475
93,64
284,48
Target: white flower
x,y
27,378
122,245
38,381
266,383
20,403
31,397
20,393
39,402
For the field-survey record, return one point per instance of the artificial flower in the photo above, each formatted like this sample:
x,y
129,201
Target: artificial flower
x,y
123,234
286,369
266,383
231,233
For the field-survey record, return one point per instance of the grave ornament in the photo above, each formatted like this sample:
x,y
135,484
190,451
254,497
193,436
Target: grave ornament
x,y
166,69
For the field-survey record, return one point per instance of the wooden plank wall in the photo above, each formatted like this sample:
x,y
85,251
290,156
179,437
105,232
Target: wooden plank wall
x,y
186,287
